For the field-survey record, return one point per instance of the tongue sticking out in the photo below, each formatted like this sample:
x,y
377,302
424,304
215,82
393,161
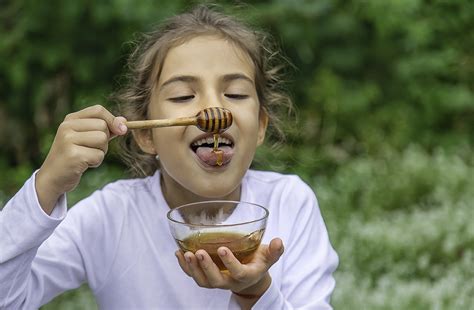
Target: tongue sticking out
x,y
211,158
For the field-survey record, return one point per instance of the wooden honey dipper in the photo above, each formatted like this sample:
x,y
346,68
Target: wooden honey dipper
x,y
213,120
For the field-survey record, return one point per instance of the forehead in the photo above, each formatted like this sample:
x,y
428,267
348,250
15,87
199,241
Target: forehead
x,y
206,57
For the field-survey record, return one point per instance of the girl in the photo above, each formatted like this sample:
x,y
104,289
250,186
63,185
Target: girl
x,y
117,240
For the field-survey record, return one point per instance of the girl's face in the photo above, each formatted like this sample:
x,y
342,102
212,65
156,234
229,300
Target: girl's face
x,y
206,71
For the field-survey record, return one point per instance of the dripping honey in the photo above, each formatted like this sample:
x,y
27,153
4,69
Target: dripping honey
x,y
242,246
219,153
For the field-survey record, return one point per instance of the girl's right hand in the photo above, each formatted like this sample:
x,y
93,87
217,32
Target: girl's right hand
x,y
81,142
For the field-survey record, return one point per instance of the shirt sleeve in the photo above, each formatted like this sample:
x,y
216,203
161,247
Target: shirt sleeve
x,y
26,272
309,259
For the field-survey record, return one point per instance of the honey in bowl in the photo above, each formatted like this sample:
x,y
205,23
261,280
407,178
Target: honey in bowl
x,y
242,246
209,225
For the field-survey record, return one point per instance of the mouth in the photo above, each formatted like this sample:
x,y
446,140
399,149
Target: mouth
x,y
203,147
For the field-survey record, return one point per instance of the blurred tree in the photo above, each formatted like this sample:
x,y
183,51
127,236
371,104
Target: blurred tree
x,y
376,74
371,73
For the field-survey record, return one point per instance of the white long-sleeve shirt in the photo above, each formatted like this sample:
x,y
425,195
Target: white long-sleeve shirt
x,y
118,241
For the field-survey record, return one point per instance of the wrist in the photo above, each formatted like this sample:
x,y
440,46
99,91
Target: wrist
x,y
46,193
257,290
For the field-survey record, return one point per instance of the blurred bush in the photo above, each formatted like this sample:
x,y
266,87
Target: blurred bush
x,y
403,228
384,92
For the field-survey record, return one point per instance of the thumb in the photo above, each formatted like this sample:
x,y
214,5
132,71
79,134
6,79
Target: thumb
x,y
275,250
119,127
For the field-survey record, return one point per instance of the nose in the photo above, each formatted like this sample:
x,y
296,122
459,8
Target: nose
x,y
211,98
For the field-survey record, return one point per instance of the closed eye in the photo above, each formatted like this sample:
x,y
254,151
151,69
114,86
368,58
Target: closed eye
x,y
236,96
181,98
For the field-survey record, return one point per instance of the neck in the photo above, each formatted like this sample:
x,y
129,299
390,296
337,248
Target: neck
x,y
176,195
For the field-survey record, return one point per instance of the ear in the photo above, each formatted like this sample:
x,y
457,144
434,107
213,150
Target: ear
x,y
144,140
262,126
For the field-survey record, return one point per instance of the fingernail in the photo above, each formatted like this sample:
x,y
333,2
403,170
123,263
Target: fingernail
x,y
222,252
188,260
123,128
200,257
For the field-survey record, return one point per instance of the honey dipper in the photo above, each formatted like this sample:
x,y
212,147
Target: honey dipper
x,y
213,120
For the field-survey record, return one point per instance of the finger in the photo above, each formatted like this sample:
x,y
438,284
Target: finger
x,y
274,251
90,124
87,124
100,112
210,269
196,271
86,157
92,139
182,262
236,269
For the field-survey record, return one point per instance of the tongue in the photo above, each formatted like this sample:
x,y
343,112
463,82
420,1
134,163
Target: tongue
x,y
207,156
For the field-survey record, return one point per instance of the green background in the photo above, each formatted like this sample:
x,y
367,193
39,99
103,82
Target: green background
x,y
384,132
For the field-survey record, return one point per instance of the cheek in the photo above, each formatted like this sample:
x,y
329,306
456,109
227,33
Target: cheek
x,y
157,109
156,112
248,124
171,153
166,141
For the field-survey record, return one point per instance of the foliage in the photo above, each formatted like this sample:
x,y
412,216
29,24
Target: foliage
x,y
385,99
406,241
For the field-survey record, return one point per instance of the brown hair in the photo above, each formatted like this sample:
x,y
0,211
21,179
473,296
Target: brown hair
x,y
134,98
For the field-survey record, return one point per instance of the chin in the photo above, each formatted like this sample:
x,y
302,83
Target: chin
x,y
216,190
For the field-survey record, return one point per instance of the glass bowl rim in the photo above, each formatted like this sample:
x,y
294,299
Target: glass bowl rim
x,y
264,217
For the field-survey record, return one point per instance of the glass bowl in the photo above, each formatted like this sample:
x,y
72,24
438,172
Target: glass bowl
x,y
209,225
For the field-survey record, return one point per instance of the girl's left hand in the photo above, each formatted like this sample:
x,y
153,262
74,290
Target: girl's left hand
x,y
250,279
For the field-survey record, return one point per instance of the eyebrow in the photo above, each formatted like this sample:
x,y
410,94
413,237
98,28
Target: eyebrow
x,y
192,79
237,76
180,78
